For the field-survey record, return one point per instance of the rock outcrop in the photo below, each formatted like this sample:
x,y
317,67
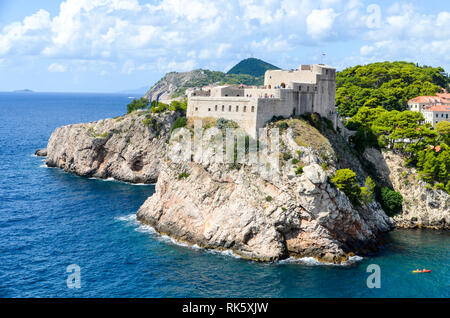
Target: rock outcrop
x,y
127,148
167,86
259,217
423,206
41,152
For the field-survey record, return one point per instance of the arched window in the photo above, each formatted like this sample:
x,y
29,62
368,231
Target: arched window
x,y
283,85
223,108
253,109
229,108
245,109
237,108
215,108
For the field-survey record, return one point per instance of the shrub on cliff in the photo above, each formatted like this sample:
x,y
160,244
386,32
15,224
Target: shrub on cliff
x,y
179,123
368,191
178,106
345,180
136,104
158,107
391,201
223,123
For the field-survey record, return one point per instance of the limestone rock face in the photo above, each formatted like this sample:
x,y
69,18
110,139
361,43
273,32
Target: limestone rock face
x,y
170,83
127,148
217,206
423,206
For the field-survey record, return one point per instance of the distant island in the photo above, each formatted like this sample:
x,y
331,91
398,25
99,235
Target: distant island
x,y
23,91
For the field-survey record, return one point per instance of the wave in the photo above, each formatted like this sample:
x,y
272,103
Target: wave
x,y
145,228
111,179
311,261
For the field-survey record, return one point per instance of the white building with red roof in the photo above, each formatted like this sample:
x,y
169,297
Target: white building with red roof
x,y
434,108
422,102
437,113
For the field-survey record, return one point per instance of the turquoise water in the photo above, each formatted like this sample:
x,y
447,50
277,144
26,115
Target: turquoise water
x,y
51,219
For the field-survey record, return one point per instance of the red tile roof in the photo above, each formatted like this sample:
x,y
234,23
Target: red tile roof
x,y
439,108
430,100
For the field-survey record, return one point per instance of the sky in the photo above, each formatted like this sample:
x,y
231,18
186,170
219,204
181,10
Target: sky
x,y
116,45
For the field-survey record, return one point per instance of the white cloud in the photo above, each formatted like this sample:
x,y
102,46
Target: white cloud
x,y
126,36
320,22
57,68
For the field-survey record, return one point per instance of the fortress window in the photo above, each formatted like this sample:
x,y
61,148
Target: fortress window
x,y
215,108
253,109
237,108
245,109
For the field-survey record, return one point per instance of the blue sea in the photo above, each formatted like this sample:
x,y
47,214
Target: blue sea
x,y
50,219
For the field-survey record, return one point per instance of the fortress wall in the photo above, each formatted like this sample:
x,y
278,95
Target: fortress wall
x,y
227,91
269,107
325,98
277,77
241,110
261,93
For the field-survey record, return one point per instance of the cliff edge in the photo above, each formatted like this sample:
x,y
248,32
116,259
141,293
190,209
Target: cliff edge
x,y
264,217
423,205
127,148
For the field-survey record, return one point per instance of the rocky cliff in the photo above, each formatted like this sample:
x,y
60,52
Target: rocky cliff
x,y
127,148
263,217
167,86
423,206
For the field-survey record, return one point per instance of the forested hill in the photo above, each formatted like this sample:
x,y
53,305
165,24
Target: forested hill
x,y
386,84
253,67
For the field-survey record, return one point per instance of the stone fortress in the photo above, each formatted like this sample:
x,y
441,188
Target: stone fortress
x,y
308,89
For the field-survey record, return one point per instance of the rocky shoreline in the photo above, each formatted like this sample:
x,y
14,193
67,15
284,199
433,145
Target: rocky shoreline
x,y
218,206
127,148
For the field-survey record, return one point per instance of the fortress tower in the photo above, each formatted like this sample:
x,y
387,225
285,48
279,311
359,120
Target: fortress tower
x,y
308,89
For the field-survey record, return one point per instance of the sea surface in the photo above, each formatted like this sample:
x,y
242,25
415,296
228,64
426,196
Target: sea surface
x,y
50,219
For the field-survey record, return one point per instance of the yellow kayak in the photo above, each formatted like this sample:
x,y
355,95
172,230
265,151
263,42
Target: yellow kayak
x,y
422,271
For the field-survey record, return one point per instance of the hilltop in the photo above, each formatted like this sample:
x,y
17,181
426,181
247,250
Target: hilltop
x,y
174,84
252,66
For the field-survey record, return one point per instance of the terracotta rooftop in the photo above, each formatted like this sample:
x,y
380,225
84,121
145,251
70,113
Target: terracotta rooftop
x,y
444,95
439,108
431,99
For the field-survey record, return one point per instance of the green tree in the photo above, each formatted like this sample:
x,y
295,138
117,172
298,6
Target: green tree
x,y
136,104
391,201
345,180
388,85
368,191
